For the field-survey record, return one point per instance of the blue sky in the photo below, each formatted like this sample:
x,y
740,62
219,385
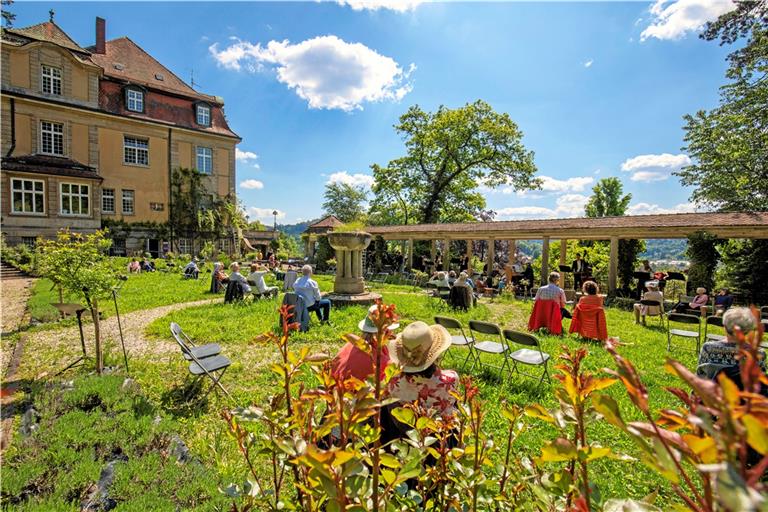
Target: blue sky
x,y
599,89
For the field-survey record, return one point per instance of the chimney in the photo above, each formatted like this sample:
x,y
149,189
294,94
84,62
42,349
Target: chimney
x,y
101,29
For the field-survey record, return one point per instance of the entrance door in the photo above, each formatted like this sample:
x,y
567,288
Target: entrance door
x,y
153,247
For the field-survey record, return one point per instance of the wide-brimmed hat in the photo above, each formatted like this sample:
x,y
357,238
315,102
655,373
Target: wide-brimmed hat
x,y
368,326
653,285
419,346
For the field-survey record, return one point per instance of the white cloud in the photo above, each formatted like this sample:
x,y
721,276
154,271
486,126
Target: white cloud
x,y
523,212
675,20
375,5
264,213
649,176
550,184
326,71
649,168
648,209
566,205
588,64
252,184
351,179
571,205
245,156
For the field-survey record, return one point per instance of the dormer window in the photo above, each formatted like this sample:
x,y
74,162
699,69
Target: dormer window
x,y
51,80
203,114
134,99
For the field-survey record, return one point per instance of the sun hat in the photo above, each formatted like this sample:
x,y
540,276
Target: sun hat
x,y
419,346
368,326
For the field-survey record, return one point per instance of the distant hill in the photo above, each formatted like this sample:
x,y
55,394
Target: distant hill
x,y
665,249
295,229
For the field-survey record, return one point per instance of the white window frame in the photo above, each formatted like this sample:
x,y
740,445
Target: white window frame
x,y
105,196
203,115
206,154
134,100
185,246
137,147
51,131
50,76
32,193
76,193
131,197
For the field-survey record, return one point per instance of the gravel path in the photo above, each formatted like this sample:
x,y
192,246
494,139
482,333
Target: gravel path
x,y
14,293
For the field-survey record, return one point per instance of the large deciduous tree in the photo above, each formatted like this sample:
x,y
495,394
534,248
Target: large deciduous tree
x,y
449,154
729,144
345,201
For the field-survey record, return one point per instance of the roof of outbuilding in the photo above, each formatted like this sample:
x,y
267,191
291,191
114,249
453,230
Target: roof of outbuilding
x,y
50,32
331,221
51,165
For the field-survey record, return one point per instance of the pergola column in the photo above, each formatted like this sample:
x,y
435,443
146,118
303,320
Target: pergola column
x,y
433,251
447,254
563,250
491,255
469,256
410,254
308,247
512,251
545,261
613,263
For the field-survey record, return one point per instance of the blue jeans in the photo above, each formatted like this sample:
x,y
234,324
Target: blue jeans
x,y
322,308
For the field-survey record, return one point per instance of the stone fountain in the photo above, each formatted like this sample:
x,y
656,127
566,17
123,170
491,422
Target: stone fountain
x,y
349,286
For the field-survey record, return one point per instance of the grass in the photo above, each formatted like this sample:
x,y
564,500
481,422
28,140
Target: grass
x,y
251,381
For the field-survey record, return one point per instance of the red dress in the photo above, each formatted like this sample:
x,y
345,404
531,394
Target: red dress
x,y
589,318
546,314
353,362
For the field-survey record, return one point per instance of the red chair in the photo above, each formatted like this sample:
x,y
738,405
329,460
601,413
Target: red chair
x,y
546,314
589,322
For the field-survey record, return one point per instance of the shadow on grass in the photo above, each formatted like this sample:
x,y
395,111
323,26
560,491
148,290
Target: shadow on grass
x,y
187,400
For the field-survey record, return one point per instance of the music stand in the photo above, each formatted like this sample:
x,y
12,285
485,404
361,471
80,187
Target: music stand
x,y
565,270
115,290
73,309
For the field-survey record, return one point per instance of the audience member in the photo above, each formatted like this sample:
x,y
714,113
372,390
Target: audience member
x,y
723,301
191,269
134,267
452,277
716,356
588,315
147,266
440,279
308,289
219,278
701,299
552,291
257,278
351,361
237,277
653,293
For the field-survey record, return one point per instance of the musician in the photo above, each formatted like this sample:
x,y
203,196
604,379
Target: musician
x,y
579,267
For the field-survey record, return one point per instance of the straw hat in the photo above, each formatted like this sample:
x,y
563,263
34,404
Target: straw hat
x,y
419,346
368,326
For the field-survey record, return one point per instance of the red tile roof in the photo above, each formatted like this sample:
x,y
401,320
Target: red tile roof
x,y
327,222
49,32
125,60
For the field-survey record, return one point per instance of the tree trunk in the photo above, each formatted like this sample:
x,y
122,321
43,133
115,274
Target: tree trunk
x,y
97,335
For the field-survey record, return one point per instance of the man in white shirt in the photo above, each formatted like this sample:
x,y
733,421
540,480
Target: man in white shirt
x,y
308,289
256,277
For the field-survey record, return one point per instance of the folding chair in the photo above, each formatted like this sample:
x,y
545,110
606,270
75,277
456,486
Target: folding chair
x,y
459,340
713,320
531,357
681,318
656,304
206,366
489,346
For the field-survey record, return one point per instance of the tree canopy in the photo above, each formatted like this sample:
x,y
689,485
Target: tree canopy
x,y
450,153
345,201
606,199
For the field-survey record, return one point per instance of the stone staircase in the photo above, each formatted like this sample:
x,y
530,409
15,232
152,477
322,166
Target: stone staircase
x,y
9,272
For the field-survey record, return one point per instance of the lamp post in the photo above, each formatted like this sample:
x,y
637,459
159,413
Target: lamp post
x,y
275,214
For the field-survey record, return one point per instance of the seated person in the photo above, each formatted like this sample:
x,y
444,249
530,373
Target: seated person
x,y
191,269
257,278
353,362
308,289
237,277
134,267
218,278
451,277
701,299
418,350
147,266
440,279
589,316
502,283
653,293
552,291
716,356
480,285
723,301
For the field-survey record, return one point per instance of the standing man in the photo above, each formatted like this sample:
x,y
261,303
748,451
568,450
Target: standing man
x,y
579,268
308,289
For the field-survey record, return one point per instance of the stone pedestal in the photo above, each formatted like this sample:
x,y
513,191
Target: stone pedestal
x,y
349,286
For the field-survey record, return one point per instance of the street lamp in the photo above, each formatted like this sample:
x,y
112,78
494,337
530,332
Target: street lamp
x,y
275,214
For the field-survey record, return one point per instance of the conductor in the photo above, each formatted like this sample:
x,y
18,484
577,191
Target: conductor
x,y
579,269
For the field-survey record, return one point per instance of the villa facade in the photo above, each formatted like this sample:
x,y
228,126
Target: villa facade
x,y
91,136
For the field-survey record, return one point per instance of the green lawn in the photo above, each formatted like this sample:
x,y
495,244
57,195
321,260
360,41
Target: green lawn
x,y
251,381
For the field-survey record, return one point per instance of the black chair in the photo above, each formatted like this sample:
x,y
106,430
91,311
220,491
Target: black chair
x,y
212,366
459,340
528,356
657,304
681,318
717,321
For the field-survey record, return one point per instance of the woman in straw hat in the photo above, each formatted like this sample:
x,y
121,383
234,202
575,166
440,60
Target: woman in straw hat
x,y
417,350
353,362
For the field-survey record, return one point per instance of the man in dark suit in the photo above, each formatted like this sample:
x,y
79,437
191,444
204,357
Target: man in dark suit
x,y
579,269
